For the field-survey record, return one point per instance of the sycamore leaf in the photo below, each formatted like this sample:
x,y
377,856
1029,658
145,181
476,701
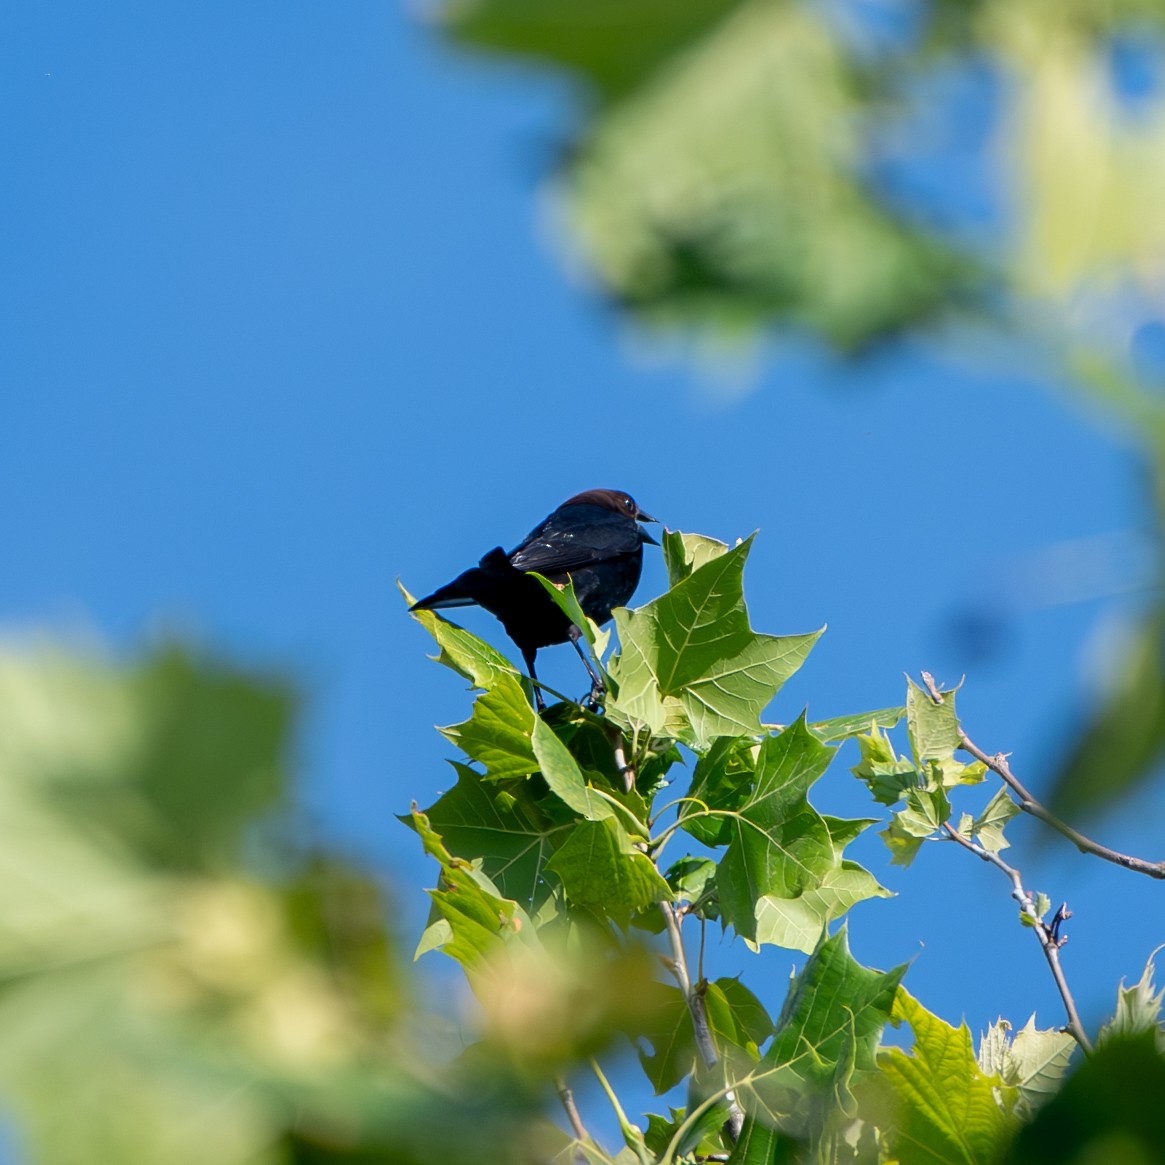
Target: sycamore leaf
x,y
933,728
701,1138
561,772
462,651
844,727
943,1108
481,924
888,776
689,665
798,923
1138,1008
684,553
779,846
566,601
506,829
692,878
498,733
987,828
827,1032
666,1025
602,871
720,784
1033,1063
924,812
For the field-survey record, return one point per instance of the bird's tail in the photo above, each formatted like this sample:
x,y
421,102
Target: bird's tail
x,y
468,588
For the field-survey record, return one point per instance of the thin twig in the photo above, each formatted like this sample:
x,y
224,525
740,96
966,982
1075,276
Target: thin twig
x,y
998,765
694,996
1048,937
572,1114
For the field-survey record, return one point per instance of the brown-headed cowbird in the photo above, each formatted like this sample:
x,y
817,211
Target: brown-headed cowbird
x,y
594,539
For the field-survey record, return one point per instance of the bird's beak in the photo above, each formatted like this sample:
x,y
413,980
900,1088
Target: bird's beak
x,y
642,517
643,534
645,537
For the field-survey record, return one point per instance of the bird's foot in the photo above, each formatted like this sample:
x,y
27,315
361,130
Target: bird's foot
x,y
594,701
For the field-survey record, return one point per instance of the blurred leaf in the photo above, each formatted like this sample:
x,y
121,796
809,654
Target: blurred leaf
x,y
1108,1110
1124,739
612,45
689,665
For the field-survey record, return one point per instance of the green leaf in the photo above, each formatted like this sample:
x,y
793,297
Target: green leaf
x,y
827,1032
933,728
924,812
462,651
844,727
887,776
506,830
566,780
720,785
692,878
780,845
987,828
701,1138
498,734
689,665
481,924
603,872
666,1024
684,553
1123,742
944,1107
797,923
737,1018
1033,1063
1138,1008
564,598
613,45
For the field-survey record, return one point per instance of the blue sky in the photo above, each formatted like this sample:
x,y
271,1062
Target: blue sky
x,y
281,325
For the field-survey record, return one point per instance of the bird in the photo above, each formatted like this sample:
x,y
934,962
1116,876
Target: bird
x,y
594,539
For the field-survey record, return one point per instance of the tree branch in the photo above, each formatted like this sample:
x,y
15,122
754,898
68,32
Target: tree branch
x,y
694,996
572,1114
998,765
1049,939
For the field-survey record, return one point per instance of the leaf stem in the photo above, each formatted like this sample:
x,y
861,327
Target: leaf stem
x,y
632,1134
998,765
1049,941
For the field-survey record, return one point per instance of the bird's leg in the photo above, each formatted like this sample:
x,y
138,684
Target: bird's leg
x,y
598,688
529,655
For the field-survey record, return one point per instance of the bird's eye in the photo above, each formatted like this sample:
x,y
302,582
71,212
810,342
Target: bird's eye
x,y
628,505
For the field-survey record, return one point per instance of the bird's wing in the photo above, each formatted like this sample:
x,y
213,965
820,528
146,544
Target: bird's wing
x,y
576,536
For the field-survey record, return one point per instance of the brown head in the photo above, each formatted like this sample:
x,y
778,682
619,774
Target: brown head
x,y
617,500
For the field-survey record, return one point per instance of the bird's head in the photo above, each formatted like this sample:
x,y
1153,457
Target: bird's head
x,y
617,500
